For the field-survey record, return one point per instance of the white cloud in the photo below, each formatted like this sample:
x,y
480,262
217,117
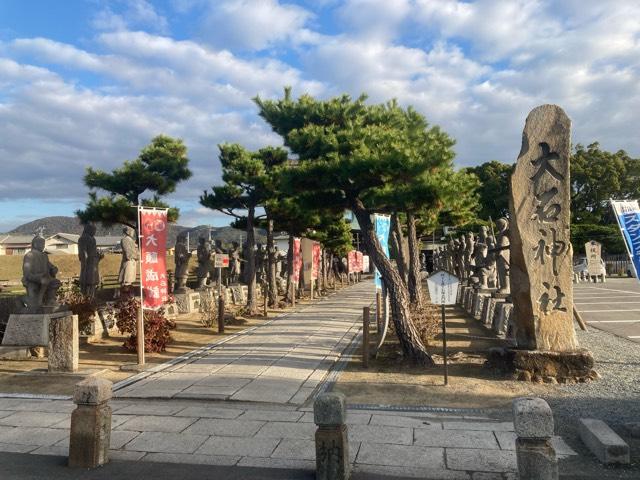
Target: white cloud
x,y
134,13
251,24
379,19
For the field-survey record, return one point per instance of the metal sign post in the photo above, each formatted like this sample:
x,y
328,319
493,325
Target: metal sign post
x,y
443,289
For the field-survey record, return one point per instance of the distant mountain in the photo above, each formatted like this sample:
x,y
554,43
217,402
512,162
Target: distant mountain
x,y
53,225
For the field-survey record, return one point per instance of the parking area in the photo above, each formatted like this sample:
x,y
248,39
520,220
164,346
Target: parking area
x,y
613,306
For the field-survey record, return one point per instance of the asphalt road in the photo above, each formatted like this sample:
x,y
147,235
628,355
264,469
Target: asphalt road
x,y
613,306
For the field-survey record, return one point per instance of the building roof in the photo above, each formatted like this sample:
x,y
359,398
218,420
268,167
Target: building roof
x,y
16,239
107,241
70,237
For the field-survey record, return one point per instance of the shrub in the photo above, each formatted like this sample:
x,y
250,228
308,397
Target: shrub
x,y
156,326
81,305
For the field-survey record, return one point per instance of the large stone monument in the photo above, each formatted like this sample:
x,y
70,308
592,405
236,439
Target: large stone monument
x,y
595,265
541,254
89,261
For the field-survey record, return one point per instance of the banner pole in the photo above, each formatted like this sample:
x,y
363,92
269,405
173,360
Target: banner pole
x,y
140,323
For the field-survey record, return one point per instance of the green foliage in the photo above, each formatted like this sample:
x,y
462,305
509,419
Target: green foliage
x,y
608,235
493,188
383,155
597,176
248,179
159,168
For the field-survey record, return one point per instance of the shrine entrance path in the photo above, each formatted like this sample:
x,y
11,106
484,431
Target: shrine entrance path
x,y
282,362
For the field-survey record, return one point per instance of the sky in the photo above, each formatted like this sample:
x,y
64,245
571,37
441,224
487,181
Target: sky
x,y
90,82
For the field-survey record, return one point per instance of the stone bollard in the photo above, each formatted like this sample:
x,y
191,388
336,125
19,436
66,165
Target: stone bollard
x,y
332,443
90,424
533,421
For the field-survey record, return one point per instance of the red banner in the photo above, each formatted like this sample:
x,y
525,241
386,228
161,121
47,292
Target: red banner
x,y
153,257
297,260
315,264
359,261
352,261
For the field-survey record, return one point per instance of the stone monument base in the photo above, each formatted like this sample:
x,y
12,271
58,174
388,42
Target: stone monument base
x,y
15,353
30,329
503,296
543,367
188,302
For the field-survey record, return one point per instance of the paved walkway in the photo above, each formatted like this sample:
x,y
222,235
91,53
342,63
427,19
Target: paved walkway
x,y
409,444
613,306
281,362
244,403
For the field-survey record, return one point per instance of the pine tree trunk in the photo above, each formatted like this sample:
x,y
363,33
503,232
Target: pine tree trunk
x,y
272,281
251,263
415,284
397,246
398,294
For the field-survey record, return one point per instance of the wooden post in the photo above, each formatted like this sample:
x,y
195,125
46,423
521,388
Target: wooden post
x,y
220,314
378,312
576,314
293,294
365,337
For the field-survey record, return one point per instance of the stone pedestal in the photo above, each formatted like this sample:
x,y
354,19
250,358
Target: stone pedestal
x,y
488,310
479,300
533,423
188,302
332,443
171,311
502,317
63,344
239,294
90,433
29,329
547,367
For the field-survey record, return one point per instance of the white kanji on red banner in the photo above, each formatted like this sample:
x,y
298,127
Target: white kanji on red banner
x,y
153,246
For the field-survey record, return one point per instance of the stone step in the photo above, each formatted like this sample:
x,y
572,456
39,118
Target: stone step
x,y
603,442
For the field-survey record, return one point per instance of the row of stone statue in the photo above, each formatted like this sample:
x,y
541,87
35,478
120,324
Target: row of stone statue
x,y
236,272
481,260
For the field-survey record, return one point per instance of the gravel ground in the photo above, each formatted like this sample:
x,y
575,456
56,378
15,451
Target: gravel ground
x,y
615,397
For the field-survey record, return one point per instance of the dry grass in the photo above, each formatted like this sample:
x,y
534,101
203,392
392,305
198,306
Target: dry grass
x,y
69,265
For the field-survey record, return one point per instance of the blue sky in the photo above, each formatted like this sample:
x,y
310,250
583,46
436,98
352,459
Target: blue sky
x,y
90,82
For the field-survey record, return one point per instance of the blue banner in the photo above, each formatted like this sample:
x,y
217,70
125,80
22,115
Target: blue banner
x,y
383,225
628,215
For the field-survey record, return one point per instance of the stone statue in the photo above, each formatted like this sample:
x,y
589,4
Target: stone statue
x,y
450,256
217,247
130,256
39,279
482,236
204,261
469,262
261,263
89,259
503,255
182,256
235,265
490,263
